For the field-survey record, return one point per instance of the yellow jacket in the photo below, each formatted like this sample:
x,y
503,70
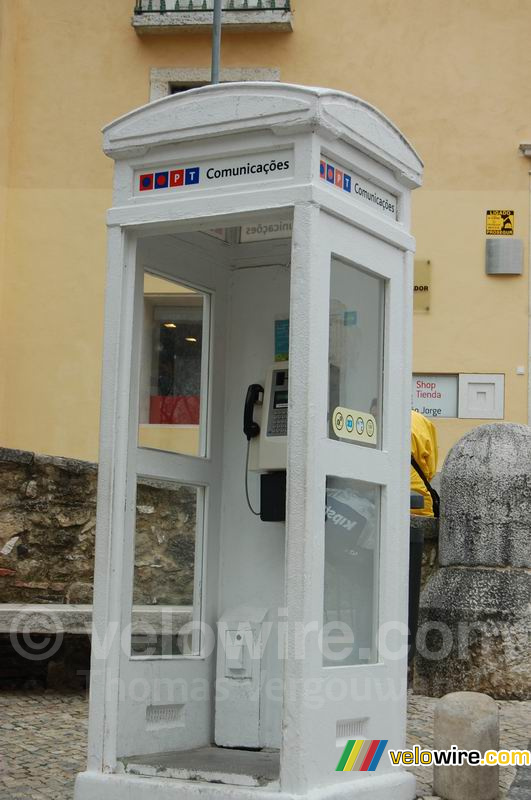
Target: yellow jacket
x,y
424,450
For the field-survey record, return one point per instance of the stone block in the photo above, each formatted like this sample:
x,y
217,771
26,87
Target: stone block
x,y
474,633
469,721
16,456
474,613
486,498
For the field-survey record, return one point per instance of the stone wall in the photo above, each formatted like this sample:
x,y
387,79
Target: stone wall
x,y
47,528
48,523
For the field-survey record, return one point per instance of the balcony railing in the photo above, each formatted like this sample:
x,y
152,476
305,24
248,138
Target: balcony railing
x,y
185,6
165,16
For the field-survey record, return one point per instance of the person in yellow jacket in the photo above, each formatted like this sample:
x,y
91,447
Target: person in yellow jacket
x,y
424,452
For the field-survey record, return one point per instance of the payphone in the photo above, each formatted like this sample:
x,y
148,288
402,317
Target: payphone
x,y
275,643
267,437
269,443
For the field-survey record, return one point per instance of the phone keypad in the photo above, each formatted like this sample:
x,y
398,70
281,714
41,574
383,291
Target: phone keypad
x,y
278,423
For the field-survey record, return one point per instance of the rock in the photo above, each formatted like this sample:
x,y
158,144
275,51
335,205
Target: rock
x,y
79,593
474,612
11,524
30,489
486,491
473,634
145,509
470,722
16,456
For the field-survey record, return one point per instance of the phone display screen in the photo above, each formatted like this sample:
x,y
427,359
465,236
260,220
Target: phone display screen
x,y
281,399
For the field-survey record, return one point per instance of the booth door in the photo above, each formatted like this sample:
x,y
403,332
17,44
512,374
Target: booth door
x,y
356,490
173,498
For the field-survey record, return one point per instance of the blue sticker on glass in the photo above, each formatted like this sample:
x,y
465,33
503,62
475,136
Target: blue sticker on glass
x,y
281,339
347,183
350,318
330,173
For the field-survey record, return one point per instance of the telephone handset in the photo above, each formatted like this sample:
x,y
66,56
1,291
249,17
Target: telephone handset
x,y
250,427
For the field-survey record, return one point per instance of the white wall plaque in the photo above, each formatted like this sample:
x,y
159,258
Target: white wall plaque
x,y
481,396
434,395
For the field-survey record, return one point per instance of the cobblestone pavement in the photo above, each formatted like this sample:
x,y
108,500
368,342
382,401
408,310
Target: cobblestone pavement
x,y
42,744
515,723
43,739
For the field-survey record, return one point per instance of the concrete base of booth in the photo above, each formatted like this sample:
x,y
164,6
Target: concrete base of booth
x,y
210,764
97,786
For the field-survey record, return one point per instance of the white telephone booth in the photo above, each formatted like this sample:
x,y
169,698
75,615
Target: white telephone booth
x,y
251,573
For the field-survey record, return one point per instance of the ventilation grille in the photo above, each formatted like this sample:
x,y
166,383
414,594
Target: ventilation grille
x,y
350,729
165,716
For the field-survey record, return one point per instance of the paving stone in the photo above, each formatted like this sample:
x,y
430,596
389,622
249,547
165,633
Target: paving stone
x,y
42,747
515,723
43,743
521,786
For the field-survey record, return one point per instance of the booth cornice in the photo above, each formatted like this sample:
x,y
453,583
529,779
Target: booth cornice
x,y
282,109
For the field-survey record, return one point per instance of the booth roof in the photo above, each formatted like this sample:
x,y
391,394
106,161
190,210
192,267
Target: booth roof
x,y
248,106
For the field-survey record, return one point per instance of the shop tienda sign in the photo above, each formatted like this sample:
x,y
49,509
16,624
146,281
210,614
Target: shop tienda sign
x,y
211,173
434,395
358,188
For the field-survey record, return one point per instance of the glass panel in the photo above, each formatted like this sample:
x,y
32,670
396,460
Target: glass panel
x,y
167,567
171,375
352,536
355,354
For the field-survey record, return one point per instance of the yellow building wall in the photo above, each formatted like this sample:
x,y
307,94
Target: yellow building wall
x,y
454,77
7,75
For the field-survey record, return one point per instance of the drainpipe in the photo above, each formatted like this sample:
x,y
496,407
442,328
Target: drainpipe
x,y
216,42
525,149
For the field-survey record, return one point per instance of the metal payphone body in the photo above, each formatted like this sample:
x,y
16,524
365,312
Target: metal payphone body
x,y
236,658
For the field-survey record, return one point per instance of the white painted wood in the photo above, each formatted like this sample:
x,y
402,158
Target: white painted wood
x,y
246,562
90,786
258,106
305,529
251,552
176,680
108,578
212,209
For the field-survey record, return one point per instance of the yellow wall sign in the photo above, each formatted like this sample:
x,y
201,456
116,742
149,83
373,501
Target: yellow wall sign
x,y
500,223
354,425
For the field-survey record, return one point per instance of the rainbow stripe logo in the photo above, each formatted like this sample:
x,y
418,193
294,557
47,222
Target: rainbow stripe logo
x,y
361,755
